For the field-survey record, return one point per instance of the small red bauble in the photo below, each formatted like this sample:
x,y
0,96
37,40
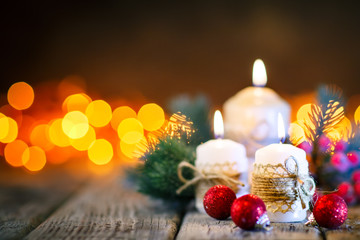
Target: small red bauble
x,y
249,212
218,200
330,211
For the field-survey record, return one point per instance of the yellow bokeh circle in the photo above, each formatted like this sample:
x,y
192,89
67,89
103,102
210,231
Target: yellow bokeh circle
x,y
76,102
12,131
120,114
100,152
83,143
57,135
152,116
75,124
130,130
99,113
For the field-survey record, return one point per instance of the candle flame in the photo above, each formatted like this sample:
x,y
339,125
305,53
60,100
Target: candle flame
x,y
259,73
281,128
218,125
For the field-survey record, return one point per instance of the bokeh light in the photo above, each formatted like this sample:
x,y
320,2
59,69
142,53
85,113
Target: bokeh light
x,y
135,150
99,113
120,114
20,95
40,137
357,115
130,130
296,133
100,152
75,124
12,130
83,143
152,116
302,115
57,135
76,102
13,152
34,158
4,126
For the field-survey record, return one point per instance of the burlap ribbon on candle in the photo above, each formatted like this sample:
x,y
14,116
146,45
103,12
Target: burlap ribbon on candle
x,y
281,185
229,179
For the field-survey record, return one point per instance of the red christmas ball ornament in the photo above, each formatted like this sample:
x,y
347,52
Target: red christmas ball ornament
x,y
356,176
330,211
249,212
341,146
218,200
340,161
357,189
353,157
346,191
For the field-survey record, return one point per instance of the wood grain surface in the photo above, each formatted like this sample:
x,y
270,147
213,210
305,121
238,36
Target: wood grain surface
x,y
201,226
107,210
26,199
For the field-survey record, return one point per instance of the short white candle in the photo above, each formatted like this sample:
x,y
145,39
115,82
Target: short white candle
x,y
221,156
251,115
275,154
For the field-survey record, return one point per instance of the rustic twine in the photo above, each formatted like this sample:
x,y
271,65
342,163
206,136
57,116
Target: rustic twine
x,y
228,179
280,187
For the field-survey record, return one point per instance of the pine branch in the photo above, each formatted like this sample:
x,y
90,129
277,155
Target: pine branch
x,y
328,112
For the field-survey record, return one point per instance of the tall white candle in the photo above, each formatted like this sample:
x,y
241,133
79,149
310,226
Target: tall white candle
x,y
222,156
251,115
276,154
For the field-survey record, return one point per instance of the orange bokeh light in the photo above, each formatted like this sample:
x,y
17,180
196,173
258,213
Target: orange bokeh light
x,y
152,116
4,126
100,152
57,135
99,113
34,158
40,137
13,152
76,102
120,114
12,130
130,130
75,124
83,143
20,95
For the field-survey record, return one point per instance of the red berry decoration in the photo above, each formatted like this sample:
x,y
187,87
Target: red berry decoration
x,y
218,200
249,212
306,147
330,211
340,161
353,157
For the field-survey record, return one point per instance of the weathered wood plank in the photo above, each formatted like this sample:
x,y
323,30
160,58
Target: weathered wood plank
x,y
201,226
28,199
351,228
106,210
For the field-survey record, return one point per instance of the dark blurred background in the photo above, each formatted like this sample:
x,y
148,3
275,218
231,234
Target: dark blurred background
x,y
160,49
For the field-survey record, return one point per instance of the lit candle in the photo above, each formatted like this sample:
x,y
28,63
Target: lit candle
x,y
223,157
250,115
284,168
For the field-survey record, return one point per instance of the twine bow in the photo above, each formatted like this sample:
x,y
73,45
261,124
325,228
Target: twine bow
x,y
200,175
305,185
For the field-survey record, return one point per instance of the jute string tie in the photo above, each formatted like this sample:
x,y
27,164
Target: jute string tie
x,y
201,175
278,189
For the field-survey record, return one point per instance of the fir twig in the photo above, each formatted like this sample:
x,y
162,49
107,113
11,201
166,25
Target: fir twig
x,y
327,113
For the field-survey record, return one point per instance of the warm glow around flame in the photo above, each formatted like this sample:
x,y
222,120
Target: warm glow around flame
x,y
218,125
281,128
259,73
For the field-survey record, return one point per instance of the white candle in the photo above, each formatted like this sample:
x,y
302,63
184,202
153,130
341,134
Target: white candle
x,y
222,156
275,154
251,115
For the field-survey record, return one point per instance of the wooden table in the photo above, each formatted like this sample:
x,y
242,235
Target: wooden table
x,y
57,204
